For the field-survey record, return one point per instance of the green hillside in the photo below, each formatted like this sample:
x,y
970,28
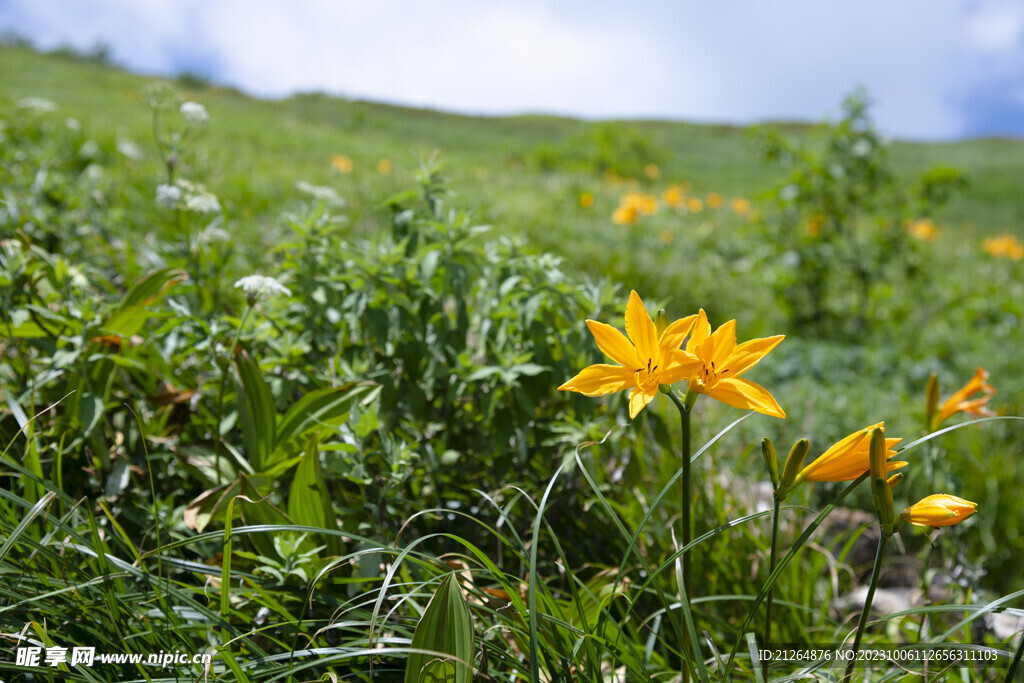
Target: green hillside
x,y
387,409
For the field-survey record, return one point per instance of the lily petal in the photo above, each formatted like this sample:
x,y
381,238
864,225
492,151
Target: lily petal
x,y
614,344
849,470
641,329
849,457
675,334
747,354
598,380
638,399
701,331
718,347
679,365
742,393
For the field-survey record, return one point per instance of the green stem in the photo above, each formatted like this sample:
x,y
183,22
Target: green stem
x,y
1016,660
771,590
784,563
875,573
223,386
687,590
687,521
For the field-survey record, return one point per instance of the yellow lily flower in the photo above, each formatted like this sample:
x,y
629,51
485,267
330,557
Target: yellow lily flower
x,y
645,360
721,362
849,458
959,402
940,509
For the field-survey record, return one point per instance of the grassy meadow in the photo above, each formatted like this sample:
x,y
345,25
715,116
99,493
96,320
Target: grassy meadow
x,y
293,474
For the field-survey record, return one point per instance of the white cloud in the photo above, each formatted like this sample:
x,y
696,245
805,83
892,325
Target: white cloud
x,y
481,58
997,28
798,64
739,61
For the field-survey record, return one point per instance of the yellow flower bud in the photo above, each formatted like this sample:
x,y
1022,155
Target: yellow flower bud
x,y
940,509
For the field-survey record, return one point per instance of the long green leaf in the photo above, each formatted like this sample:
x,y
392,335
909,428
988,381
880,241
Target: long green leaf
x,y
36,510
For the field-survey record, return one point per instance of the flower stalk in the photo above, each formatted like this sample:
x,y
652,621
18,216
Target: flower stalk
x,y
876,572
881,492
770,598
1016,661
793,463
685,407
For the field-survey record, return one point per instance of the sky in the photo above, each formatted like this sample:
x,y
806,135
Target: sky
x,y
935,70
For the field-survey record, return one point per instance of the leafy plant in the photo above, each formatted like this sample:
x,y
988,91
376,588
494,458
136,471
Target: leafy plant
x,y
839,226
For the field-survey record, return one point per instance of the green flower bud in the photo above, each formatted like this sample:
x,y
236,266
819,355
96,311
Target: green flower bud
x,y
880,490
770,460
931,402
794,462
661,321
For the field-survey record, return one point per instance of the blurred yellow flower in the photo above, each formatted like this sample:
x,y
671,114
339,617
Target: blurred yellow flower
x,y
960,401
632,206
624,215
652,171
923,229
586,200
665,236
1004,246
341,163
940,509
814,224
714,200
694,205
384,166
646,205
674,196
646,360
721,362
740,206
849,458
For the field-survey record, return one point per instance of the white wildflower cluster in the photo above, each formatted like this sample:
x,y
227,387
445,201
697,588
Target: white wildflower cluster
x,y
37,104
187,195
129,149
194,113
10,249
168,196
861,148
202,203
213,233
320,192
256,286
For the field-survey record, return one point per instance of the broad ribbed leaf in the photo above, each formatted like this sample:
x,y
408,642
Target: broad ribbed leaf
x,y
445,628
152,286
308,501
255,412
325,407
131,315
